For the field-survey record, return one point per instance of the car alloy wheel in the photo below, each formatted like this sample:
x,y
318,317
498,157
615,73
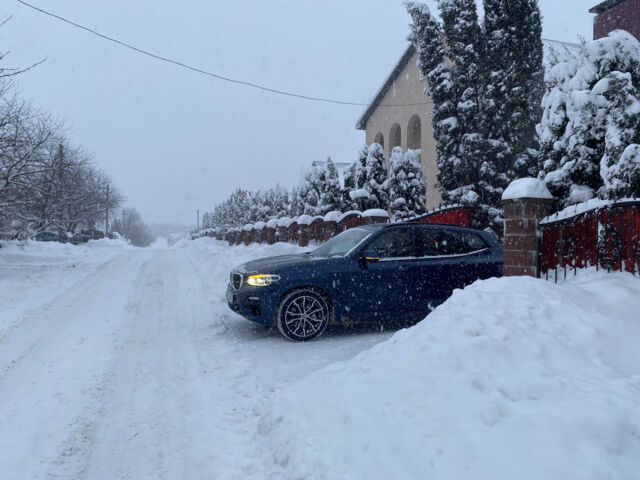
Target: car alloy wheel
x,y
303,315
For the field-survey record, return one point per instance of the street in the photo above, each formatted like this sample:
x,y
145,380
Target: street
x,y
139,370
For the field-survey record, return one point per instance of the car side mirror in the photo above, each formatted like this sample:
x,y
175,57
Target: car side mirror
x,y
370,256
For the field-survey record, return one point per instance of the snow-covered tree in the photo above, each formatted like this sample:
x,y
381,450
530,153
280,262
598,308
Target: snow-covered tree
x,y
590,128
296,205
354,179
330,190
310,190
406,185
483,139
372,182
514,85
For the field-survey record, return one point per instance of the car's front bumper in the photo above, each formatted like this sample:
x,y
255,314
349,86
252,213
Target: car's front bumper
x,y
254,304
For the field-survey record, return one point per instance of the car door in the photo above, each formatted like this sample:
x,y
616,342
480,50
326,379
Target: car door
x,y
382,289
449,259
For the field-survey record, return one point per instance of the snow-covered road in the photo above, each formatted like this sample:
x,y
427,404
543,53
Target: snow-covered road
x,y
134,367
124,363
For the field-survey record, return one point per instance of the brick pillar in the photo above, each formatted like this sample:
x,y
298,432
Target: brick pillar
x,y
330,229
271,235
282,234
521,217
303,235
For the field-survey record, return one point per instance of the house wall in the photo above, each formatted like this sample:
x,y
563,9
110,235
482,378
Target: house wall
x,y
624,15
408,89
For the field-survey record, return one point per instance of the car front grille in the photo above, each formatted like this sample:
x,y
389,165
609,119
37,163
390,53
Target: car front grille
x,y
236,280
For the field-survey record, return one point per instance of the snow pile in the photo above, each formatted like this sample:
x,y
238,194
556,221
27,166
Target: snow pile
x,y
510,378
526,188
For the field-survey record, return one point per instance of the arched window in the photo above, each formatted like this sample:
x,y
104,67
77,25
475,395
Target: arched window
x,y
379,139
395,137
414,133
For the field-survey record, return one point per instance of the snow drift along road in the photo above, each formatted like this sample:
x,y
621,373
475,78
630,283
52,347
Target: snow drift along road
x,y
512,378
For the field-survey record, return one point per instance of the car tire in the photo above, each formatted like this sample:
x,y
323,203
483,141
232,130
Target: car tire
x,y
302,315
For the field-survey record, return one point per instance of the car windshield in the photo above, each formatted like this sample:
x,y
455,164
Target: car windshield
x,y
341,244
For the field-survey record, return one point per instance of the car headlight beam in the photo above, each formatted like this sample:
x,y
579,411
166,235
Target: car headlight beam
x,y
262,280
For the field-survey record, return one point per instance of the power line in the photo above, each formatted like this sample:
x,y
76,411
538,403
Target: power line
x,y
204,72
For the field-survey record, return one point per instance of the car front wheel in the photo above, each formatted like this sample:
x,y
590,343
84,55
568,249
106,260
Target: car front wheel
x,y
302,315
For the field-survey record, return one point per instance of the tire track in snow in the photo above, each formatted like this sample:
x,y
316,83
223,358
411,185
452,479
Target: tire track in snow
x,y
174,411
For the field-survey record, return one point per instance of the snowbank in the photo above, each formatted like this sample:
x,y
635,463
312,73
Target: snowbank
x,y
526,188
510,378
33,273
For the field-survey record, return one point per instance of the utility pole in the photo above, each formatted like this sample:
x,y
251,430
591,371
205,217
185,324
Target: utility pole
x,y
106,222
123,225
198,221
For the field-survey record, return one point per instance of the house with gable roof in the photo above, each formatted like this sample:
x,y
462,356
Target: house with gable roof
x,y
400,116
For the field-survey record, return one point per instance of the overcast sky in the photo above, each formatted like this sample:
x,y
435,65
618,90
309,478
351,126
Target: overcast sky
x,y
175,141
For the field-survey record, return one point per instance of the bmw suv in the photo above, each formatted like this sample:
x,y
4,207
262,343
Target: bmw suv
x,y
373,273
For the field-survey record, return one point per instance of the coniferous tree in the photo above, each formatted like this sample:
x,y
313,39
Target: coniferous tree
x,y
590,128
310,190
296,207
406,185
486,101
374,192
331,193
515,84
354,180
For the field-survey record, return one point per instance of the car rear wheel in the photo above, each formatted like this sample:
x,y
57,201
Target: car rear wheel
x,y
302,315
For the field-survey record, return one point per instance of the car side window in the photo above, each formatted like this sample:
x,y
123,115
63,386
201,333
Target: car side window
x,y
396,243
442,242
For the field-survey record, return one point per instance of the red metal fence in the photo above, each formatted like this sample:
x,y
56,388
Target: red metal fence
x,y
460,216
606,237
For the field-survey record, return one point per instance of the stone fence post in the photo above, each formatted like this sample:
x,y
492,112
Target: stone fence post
x,y
525,201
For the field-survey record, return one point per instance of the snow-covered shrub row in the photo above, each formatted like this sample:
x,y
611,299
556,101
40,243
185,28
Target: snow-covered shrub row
x,y
367,185
590,128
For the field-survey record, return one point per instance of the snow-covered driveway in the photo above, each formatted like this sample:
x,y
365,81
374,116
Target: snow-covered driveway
x,y
128,364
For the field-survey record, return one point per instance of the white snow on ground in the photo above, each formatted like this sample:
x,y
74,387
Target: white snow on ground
x,y
510,378
119,362
125,363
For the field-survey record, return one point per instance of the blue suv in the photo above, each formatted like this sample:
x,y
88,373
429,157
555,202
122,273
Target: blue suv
x,y
373,273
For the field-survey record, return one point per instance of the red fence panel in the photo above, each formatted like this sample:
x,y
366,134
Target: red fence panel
x,y
605,236
460,216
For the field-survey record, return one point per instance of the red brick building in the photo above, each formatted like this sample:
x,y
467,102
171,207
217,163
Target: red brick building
x,y
616,14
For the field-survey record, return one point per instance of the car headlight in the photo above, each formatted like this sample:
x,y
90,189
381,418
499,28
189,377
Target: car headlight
x,y
262,280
